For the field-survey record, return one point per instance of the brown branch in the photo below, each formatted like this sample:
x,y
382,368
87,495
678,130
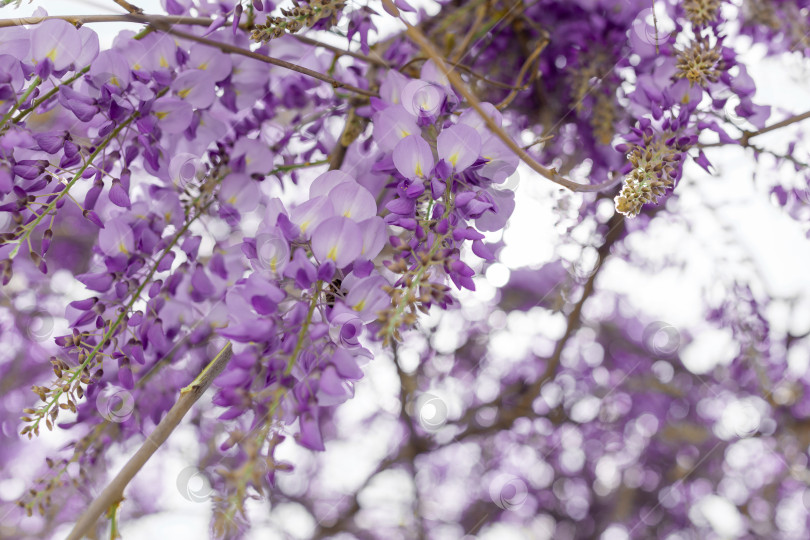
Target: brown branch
x,y
748,135
232,49
480,13
127,6
137,18
115,489
415,443
467,69
337,50
412,446
419,38
164,24
522,73
786,122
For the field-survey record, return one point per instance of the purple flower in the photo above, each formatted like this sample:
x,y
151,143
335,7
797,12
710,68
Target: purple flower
x,y
391,87
423,99
459,145
366,296
346,329
196,87
173,114
240,191
309,435
301,269
339,239
254,154
392,125
215,64
351,200
325,182
333,389
116,238
89,47
413,157
84,107
501,161
374,236
58,41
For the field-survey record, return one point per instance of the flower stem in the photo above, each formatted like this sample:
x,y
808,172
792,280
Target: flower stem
x,y
304,328
33,225
107,335
49,94
293,166
19,102
66,190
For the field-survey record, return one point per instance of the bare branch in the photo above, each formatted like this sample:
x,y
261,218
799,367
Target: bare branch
x,y
115,489
164,23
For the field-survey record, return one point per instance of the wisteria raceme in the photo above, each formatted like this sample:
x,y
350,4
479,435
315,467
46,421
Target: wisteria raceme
x,y
294,201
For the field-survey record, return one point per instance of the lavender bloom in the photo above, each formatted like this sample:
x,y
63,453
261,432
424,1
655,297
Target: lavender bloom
x,y
413,157
57,42
392,125
339,239
459,145
352,200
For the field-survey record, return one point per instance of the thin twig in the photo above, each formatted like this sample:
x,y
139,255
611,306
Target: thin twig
x,y
783,123
232,49
138,18
518,86
115,489
467,69
337,50
127,6
748,135
164,23
480,13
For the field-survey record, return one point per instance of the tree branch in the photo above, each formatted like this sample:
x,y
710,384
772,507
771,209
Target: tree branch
x,y
748,135
786,122
232,49
164,24
127,6
137,18
115,489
